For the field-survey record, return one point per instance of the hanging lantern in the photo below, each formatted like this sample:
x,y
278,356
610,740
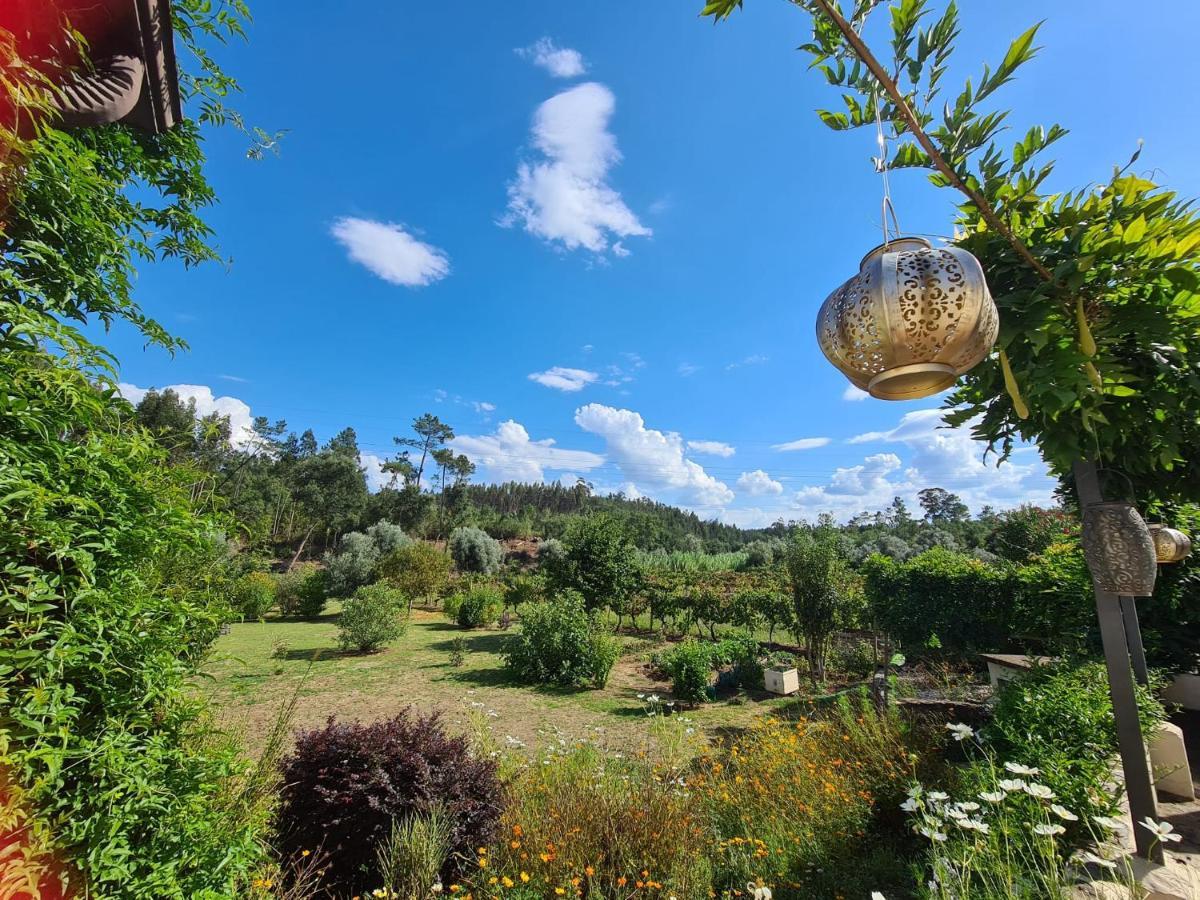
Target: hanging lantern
x,y
1170,544
911,321
1119,549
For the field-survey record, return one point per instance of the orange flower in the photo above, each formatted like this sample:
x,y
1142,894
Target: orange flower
x,y
517,832
621,881
589,871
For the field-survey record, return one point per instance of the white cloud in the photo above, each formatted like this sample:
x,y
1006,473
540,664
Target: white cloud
x,y
390,252
563,379
482,406
687,369
510,455
756,359
241,423
235,378
853,394
758,483
652,459
802,444
372,467
561,62
934,456
565,195
712,448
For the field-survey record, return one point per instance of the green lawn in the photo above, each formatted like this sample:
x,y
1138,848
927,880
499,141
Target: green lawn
x,y
249,685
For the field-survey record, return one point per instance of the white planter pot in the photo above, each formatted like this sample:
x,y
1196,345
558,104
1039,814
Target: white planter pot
x,y
782,681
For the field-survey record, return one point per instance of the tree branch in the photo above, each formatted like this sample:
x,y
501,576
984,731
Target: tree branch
x,y
863,52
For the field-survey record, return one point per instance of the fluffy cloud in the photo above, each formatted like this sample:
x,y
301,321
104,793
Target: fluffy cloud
x,y
561,62
712,448
802,444
564,379
565,195
652,459
853,394
390,252
758,483
241,424
756,359
935,456
510,455
372,467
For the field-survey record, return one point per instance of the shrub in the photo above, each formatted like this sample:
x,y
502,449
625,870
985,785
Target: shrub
x,y
301,592
521,588
822,595
1059,719
351,566
690,666
479,607
346,784
474,550
551,555
856,659
560,643
741,651
388,537
254,595
419,570
1023,533
371,618
601,563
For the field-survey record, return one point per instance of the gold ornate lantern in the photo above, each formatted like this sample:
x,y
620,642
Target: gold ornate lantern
x,y
1170,544
1119,549
911,321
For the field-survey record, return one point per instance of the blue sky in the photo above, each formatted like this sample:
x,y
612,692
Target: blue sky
x,y
594,238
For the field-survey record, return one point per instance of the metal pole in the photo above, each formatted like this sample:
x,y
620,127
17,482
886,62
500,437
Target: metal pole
x,y
1133,637
1139,786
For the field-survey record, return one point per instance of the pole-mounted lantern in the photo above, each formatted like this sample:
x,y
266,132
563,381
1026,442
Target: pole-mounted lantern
x,y
123,69
1170,544
1119,549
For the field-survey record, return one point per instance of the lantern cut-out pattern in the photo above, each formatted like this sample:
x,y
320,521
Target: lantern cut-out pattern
x,y
1170,544
911,321
1119,549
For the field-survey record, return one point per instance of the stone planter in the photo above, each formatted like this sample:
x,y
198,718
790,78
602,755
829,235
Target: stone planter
x,y
780,680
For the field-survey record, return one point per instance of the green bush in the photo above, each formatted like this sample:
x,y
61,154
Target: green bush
x,y
522,588
388,537
740,650
372,617
690,666
475,551
351,566
856,659
419,570
1059,719
254,595
301,592
968,604
479,607
560,643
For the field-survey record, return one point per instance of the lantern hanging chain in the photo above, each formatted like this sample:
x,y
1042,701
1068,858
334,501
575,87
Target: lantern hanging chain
x,y
863,52
881,166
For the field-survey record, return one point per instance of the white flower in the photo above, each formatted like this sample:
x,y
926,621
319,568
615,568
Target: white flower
x,y
875,895
1047,829
1114,825
938,796
1018,769
959,731
914,791
1033,789
992,796
909,805
968,806
1095,860
1063,813
1163,831
975,825
641,696
955,813
932,834
437,887
1012,784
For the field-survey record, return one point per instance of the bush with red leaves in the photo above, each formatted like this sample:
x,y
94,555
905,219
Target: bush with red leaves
x,y
345,783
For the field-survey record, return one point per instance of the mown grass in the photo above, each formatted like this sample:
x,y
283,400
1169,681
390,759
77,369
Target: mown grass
x,y
259,666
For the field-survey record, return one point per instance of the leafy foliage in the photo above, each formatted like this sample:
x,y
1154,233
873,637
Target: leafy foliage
x,y
352,565
600,562
475,551
301,591
419,570
371,618
346,784
822,592
253,595
689,665
478,607
560,643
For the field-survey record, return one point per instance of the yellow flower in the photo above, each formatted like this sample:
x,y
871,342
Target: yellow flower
x,y
524,877
559,891
304,853
506,881
483,862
